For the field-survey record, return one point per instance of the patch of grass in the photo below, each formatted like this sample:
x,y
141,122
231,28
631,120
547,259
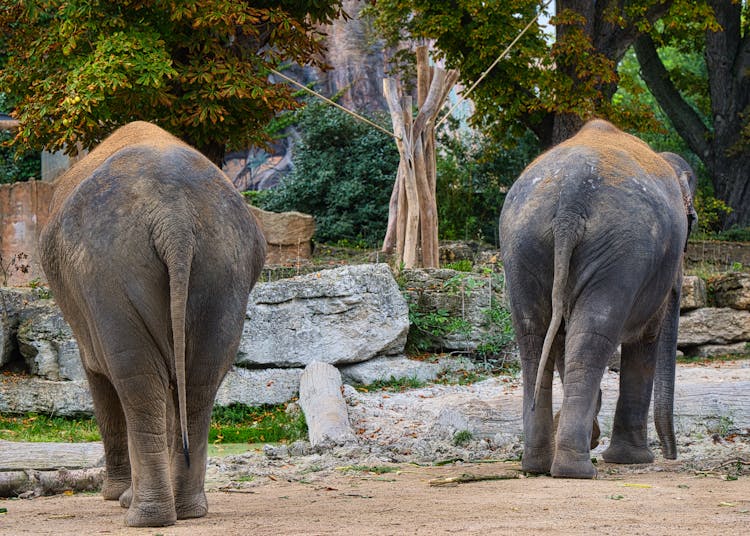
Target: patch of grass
x,y
464,265
33,427
239,423
393,384
462,437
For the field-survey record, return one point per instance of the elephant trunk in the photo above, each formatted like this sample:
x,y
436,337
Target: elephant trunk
x,y
664,405
666,361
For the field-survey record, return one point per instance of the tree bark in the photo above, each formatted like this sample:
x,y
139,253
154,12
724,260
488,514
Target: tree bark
x,y
31,483
722,149
323,404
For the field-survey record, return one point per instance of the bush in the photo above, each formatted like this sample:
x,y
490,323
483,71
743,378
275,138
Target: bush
x,y
343,175
473,175
15,167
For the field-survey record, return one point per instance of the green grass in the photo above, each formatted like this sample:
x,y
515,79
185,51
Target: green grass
x,y
36,428
232,424
393,384
239,423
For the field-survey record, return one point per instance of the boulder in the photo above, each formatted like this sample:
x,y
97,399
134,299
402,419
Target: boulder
x,y
713,325
258,387
389,368
24,394
14,303
288,235
47,344
714,350
732,289
455,310
694,293
343,315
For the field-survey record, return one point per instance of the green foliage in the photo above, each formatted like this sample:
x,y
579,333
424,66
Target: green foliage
x,y
343,175
239,423
473,174
463,265
16,166
462,437
33,427
393,384
710,211
78,68
425,327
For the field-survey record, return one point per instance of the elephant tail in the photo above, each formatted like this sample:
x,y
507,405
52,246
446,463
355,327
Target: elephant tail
x,y
178,266
567,230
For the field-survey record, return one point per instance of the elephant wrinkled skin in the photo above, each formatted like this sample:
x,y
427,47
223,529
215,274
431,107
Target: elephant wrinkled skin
x,y
151,253
592,234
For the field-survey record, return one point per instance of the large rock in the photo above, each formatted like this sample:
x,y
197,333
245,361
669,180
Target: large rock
x,y
344,315
713,325
694,293
15,304
47,344
24,394
390,368
455,310
258,387
732,289
288,235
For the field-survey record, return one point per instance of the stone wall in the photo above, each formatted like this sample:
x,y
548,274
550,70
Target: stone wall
x,y
24,210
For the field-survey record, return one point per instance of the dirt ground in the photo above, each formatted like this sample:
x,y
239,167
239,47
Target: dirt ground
x,y
665,498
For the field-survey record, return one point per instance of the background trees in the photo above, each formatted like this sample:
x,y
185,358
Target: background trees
x,y
551,85
78,68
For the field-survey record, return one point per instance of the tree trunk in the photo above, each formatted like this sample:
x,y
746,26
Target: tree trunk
x,y
722,148
31,483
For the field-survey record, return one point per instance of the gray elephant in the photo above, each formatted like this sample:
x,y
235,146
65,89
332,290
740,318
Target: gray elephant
x,y
593,233
151,253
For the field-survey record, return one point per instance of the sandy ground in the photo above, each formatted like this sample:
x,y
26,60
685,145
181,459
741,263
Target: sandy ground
x,y
385,484
661,499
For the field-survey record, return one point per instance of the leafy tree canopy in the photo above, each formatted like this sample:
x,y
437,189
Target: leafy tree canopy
x,y
550,84
76,69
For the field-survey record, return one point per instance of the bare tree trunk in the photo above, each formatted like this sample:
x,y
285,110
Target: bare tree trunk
x,y
416,223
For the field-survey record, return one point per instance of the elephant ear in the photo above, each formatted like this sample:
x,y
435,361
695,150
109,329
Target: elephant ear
x,y
687,199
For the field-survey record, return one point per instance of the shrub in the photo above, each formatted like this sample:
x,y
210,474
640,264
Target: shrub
x,y
343,175
472,178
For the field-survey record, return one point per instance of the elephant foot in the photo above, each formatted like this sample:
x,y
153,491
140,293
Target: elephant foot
x,y
113,489
595,433
536,461
569,464
189,508
623,453
151,514
126,497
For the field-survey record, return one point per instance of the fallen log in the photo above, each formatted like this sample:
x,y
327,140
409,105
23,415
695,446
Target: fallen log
x,y
31,483
323,405
48,456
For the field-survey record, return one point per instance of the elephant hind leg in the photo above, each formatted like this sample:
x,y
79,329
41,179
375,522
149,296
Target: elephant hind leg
x,y
111,421
629,432
537,422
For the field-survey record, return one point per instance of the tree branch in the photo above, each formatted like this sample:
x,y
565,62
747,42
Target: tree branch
x,y
685,119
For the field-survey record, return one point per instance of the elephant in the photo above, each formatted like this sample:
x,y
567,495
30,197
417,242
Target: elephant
x,y
592,238
151,254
